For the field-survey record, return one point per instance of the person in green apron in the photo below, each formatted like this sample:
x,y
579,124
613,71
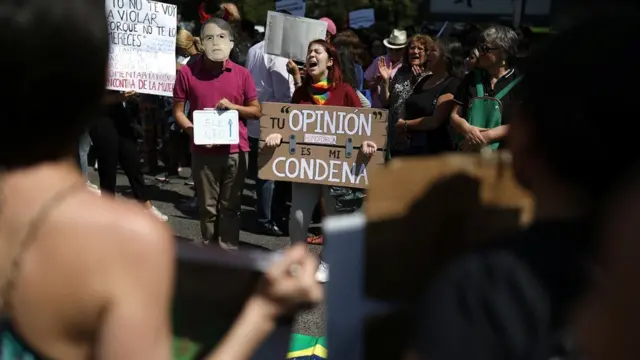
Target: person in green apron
x,y
478,118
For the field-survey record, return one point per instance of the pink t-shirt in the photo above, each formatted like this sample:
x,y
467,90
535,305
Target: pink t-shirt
x,y
373,72
203,89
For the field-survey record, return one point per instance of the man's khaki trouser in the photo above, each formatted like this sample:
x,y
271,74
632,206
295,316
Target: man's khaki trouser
x,y
219,181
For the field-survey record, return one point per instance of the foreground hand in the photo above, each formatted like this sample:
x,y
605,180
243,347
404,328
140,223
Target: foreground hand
x,y
273,140
400,125
225,104
369,147
290,284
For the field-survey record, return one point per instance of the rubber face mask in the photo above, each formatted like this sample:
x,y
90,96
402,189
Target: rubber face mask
x,y
216,42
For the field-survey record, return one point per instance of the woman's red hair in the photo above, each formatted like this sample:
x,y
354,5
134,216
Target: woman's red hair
x,y
335,72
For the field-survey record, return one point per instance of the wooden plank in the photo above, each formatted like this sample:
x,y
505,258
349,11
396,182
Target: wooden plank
x,y
324,125
314,164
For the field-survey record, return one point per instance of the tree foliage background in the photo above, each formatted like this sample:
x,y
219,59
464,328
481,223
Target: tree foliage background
x,y
389,13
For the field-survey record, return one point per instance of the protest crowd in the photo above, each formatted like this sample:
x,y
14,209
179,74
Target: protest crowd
x,y
84,274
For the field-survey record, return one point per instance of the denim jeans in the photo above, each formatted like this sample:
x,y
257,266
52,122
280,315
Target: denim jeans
x,y
264,188
84,144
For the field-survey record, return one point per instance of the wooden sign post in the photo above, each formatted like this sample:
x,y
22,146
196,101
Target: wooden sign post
x,y
321,144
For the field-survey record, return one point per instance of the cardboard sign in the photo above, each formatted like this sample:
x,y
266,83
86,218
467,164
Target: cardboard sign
x,y
450,203
420,214
216,127
321,144
142,49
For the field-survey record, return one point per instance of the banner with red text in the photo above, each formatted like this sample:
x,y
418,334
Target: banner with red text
x,y
142,36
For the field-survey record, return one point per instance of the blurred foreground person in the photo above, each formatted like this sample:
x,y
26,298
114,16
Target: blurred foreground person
x,y
515,299
609,321
86,277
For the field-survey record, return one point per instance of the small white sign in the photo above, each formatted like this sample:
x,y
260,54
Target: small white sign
x,y
362,19
216,127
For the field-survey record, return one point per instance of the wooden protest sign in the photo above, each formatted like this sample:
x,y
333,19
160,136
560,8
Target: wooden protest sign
x,y
445,207
321,144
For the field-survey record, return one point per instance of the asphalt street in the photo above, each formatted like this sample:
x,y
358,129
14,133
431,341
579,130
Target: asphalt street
x,y
168,197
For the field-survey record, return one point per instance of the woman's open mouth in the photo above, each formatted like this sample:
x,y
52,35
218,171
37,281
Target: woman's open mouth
x,y
312,64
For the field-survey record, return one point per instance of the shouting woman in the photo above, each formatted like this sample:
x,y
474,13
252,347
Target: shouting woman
x,y
323,85
425,119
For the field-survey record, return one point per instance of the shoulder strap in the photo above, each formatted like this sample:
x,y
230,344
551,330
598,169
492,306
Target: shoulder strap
x,y
479,86
508,88
30,236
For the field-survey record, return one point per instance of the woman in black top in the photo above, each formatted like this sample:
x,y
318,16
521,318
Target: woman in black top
x,y
115,140
425,118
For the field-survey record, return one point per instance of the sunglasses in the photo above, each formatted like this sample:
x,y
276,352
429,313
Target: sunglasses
x,y
485,49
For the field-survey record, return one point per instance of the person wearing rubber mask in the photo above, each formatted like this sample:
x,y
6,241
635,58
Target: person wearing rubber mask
x,y
214,81
322,85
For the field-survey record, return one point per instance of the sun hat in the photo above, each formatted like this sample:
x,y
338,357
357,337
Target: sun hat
x,y
397,39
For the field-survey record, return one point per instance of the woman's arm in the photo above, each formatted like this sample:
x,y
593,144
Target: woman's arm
x,y
458,123
287,286
385,93
496,134
441,113
136,321
251,328
181,117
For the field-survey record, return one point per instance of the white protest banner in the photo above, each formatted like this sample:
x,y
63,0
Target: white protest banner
x,y
295,7
216,127
289,36
142,36
363,18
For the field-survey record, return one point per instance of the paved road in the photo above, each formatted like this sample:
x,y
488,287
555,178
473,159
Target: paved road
x,y
166,197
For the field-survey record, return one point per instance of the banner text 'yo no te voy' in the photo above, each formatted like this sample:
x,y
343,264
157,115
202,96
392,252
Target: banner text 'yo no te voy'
x,y
321,144
142,37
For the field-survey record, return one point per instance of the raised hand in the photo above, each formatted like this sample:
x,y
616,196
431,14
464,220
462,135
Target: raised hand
x,y
384,68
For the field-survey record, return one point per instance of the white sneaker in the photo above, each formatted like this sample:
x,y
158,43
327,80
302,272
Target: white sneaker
x,y
155,212
322,274
93,188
